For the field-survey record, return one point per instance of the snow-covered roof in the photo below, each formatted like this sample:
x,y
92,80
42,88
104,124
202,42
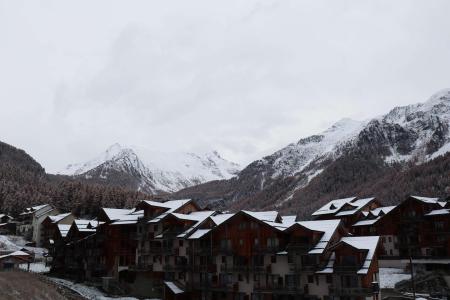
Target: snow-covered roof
x,y
269,216
367,222
357,204
16,253
288,219
374,215
368,243
220,218
198,216
131,218
426,199
173,287
382,210
86,225
57,218
333,206
172,206
329,267
116,213
327,227
198,234
5,215
439,212
33,209
63,229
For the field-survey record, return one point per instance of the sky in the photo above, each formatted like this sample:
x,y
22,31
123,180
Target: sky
x,y
244,78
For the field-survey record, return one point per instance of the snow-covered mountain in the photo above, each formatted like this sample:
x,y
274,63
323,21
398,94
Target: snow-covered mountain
x,y
410,134
416,132
151,171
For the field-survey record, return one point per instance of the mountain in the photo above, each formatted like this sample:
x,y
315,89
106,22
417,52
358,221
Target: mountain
x,y
152,172
24,182
349,157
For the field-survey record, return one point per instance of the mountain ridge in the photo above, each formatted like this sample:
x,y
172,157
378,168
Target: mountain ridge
x,y
398,141
151,171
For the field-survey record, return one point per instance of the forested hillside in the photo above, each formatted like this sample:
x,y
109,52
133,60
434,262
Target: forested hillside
x,y
23,182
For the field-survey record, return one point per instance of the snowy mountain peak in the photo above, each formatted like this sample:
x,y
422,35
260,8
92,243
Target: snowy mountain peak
x,y
154,171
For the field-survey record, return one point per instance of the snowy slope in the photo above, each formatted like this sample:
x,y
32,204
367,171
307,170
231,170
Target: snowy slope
x,y
155,171
416,132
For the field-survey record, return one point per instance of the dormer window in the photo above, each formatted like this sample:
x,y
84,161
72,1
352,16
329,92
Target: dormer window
x,y
332,206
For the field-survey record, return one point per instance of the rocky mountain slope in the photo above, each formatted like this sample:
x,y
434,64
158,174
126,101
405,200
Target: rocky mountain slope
x,y
152,172
348,155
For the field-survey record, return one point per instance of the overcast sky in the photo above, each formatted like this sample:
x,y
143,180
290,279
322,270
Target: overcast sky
x,y
243,77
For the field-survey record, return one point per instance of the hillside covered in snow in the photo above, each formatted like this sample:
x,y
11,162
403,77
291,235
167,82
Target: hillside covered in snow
x,y
150,171
349,156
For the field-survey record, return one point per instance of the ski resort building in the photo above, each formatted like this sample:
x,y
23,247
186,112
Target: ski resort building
x,y
176,250
30,220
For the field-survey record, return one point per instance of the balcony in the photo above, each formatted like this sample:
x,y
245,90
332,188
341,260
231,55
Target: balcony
x,y
142,267
210,268
223,250
267,250
297,246
346,268
176,268
235,268
216,287
200,251
297,268
350,291
278,289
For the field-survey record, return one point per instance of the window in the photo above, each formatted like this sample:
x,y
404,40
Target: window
x,y
155,228
273,259
224,259
272,242
439,225
242,225
310,279
241,242
256,241
240,277
180,242
390,239
290,259
329,279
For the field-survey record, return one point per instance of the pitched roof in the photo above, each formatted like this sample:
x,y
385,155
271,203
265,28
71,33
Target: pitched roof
x,y
333,206
357,206
16,253
374,215
131,218
426,199
63,229
199,217
368,243
171,205
327,227
269,216
57,218
439,212
86,225
116,213
220,218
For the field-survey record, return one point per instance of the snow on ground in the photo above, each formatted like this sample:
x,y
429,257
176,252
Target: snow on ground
x,y
390,276
15,242
88,292
38,267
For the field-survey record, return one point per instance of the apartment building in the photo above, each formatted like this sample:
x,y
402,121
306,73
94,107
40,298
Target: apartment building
x,y
49,228
416,227
175,250
29,221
